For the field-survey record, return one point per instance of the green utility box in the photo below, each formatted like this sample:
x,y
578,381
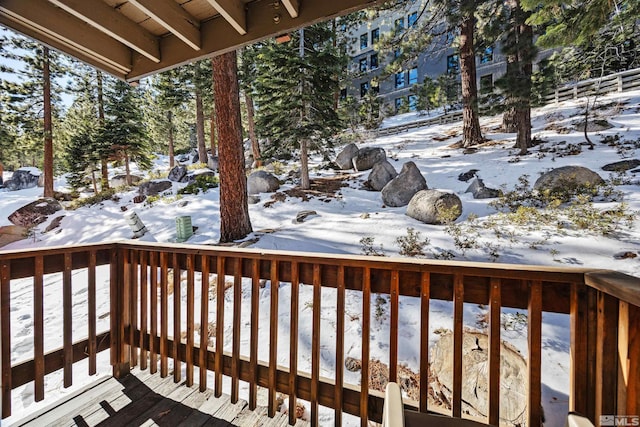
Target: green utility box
x,y
184,229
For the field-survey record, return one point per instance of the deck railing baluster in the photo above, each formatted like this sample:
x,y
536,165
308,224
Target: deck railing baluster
x,y
144,304
293,342
425,291
153,303
534,362
134,275
458,311
340,302
164,314
220,284
38,328
235,353
393,331
204,322
67,325
366,321
5,324
253,350
91,312
177,318
190,318
315,343
495,308
273,337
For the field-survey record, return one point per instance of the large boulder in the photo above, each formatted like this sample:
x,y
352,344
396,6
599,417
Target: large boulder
x,y
400,190
152,188
213,162
381,173
568,178
621,166
23,178
177,173
35,212
121,180
369,156
434,207
262,182
475,359
344,160
12,233
481,191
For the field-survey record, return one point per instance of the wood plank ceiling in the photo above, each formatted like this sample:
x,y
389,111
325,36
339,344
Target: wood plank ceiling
x,y
131,39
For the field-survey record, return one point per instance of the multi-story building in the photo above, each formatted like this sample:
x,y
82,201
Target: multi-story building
x,y
368,63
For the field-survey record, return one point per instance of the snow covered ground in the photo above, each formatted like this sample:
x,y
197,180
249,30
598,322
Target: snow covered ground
x,y
355,213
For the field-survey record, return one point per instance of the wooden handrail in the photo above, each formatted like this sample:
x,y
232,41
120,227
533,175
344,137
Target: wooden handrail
x,y
144,279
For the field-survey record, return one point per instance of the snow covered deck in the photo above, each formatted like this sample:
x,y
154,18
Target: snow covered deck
x,y
285,323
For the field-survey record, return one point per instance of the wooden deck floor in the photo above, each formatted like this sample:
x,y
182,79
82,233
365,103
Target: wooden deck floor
x,y
142,399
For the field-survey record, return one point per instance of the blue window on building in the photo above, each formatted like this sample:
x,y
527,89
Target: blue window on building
x,y
487,55
399,103
412,19
413,76
400,79
397,53
453,64
375,35
364,38
364,88
373,60
413,102
398,25
363,64
343,94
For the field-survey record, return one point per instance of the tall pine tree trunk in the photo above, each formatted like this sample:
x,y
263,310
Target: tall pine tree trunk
x,y
304,114
234,211
523,120
255,146
202,149
509,122
472,134
104,169
172,160
48,128
127,168
212,128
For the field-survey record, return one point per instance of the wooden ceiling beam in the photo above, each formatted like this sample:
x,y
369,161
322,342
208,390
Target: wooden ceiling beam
x,y
265,21
106,19
292,7
233,12
174,18
63,47
57,28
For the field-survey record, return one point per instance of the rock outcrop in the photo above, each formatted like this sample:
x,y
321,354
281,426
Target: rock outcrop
x,y
400,190
22,179
262,182
35,212
178,174
381,173
481,191
369,156
152,188
344,160
567,178
434,207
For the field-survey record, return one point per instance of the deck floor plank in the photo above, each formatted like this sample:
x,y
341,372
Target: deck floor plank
x,y
142,399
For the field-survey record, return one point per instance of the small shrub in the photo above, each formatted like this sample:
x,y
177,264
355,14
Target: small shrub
x,y
380,310
367,247
109,194
202,183
412,244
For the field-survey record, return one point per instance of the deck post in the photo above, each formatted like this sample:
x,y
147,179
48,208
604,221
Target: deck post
x,y
120,353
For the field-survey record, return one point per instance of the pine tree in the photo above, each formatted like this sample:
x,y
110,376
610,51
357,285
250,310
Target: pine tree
x,y
247,74
295,94
199,75
171,95
124,127
427,94
234,208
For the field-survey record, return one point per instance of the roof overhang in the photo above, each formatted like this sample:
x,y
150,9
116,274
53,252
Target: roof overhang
x,y
131,39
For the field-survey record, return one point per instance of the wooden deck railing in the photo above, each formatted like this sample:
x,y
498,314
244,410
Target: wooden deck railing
x,y
147,315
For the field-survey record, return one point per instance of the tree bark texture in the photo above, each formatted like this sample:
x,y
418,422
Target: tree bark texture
x,y
305,184
234,211
523,114
104,169
202,148
127,168
472,134
172,160
48,128
212,126
255,146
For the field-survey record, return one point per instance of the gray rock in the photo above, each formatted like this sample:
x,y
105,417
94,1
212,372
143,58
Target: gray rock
x,y
480,191
192,177
178,173
566,178
213,162
381,173
621,166
21,180
121,180
434,207
344,160
262,182
302,215
400,190
35,212
352,364
466,176
151,188
55,223
253,199
369,156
